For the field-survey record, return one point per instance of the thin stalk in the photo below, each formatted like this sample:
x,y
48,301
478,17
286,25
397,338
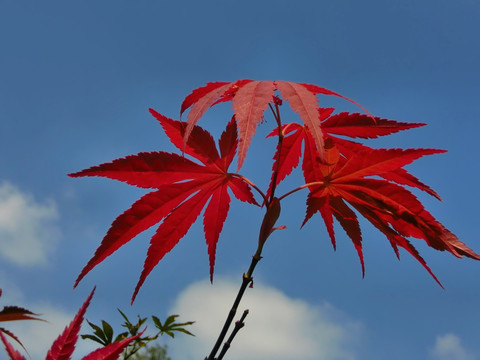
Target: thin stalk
x,y
276,115
301,188
265,200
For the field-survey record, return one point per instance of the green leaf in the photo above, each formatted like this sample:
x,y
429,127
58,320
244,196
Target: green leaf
x,y
93,338
186,331
157,321
99,337
170,326
108,331
121,336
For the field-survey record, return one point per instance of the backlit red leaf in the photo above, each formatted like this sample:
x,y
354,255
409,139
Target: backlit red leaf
x,y
14,354
250,100
322,205
311,165
229,94
201,105
287,156
395,238
378,161
305,103
241,190
315,89
249,104
363,126
399,175
228,143
408,216
144,213
348,220
200,143
64,345
391,208
183,189
148,170
197,94
171,230
13,313
214,217
12,335
111,351
403,177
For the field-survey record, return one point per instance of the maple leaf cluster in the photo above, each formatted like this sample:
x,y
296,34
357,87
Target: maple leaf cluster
x,y
343,177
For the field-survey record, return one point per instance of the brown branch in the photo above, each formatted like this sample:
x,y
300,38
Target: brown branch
x,y
238,325
246,280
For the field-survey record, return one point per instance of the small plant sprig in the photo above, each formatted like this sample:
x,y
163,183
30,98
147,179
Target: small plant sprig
x,y
104,334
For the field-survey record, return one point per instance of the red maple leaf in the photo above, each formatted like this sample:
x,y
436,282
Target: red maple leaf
x,y
183,189
350,172
12,353
391,208
250,100
63,347
287,156
249,104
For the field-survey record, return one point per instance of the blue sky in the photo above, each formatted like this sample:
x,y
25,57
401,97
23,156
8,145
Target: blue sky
x,y
76,82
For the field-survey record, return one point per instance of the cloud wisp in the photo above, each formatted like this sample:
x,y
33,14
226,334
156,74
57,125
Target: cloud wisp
x,y
449,347
28,229
277,327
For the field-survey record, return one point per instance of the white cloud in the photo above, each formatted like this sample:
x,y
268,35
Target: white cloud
x,y
28,232
11,294
277,327
449,347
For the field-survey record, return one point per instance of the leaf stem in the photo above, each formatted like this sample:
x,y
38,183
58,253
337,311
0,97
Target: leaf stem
x,y
265,200
276,115
300,188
